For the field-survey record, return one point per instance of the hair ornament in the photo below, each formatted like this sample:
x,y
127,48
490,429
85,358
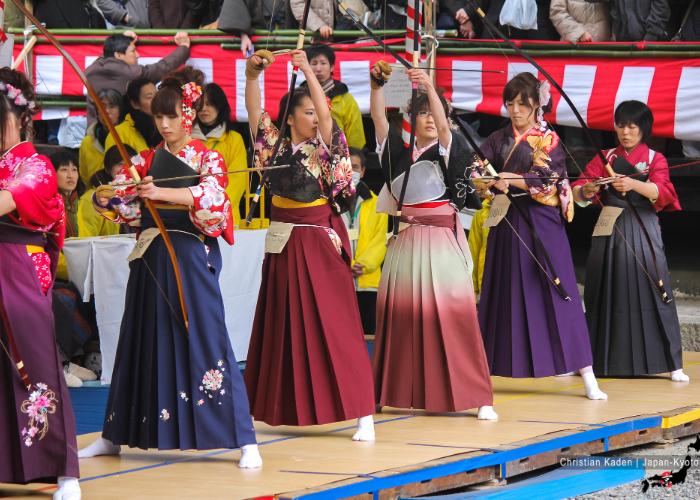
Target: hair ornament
x,y
544,95
16,96
191,92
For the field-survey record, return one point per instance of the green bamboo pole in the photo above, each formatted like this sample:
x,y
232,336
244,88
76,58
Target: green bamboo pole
x,y
140,32
446,36
142,41
57,103
198,32
573,53
571,46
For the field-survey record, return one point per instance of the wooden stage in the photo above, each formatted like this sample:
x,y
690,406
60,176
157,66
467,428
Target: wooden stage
x,y
414,454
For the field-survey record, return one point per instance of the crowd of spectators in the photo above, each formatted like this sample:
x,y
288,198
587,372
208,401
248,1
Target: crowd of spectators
x,y
570,20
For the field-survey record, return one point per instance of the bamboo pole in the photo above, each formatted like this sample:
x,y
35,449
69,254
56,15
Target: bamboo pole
x,y
198,32
24,53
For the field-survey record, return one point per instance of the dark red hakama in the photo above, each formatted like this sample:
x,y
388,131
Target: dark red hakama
x,y
307,361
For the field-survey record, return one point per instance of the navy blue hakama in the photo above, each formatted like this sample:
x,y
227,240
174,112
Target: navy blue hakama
x,y
172,388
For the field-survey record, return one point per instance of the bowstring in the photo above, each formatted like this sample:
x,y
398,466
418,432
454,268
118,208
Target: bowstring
x,y
269,27
162,292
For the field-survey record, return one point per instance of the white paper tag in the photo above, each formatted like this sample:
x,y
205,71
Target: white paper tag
x,y
606,221
142,244
499,209
277,236
354,234
397,91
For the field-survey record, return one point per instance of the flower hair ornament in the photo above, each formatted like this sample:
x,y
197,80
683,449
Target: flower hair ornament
x,y
16,96
190,93
544,95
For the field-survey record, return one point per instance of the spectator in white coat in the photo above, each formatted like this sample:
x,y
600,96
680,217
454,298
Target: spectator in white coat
x,y
581,20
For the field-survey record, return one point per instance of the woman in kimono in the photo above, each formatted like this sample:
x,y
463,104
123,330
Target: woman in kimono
x,y
428,348
633,331
175,387
529,329
37,426
307,361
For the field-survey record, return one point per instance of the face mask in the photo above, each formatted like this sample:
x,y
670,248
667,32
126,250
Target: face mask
x,y
356,178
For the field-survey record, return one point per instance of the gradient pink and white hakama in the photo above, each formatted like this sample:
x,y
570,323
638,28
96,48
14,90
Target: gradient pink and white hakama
x,y
429,352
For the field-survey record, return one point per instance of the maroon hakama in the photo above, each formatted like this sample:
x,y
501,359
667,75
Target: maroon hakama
x,y
307,361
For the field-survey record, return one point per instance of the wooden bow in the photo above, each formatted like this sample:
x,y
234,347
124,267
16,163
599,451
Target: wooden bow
x,y
120,146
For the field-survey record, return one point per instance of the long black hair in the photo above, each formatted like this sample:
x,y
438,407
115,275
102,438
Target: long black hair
x,y
216,98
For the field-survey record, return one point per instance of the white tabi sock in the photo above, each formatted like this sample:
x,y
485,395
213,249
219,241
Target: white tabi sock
x,y
487,413
591,384
99,446
68,489
679,376
250,457
365,429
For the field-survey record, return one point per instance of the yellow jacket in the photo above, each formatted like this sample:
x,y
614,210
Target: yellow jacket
x,y
346,113
230,145
478,234
128,133
371,243
91,155
91,223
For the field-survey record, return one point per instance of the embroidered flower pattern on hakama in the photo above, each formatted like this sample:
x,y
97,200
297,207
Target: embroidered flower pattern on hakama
x,y
184,397
41,403
212,384
164,415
